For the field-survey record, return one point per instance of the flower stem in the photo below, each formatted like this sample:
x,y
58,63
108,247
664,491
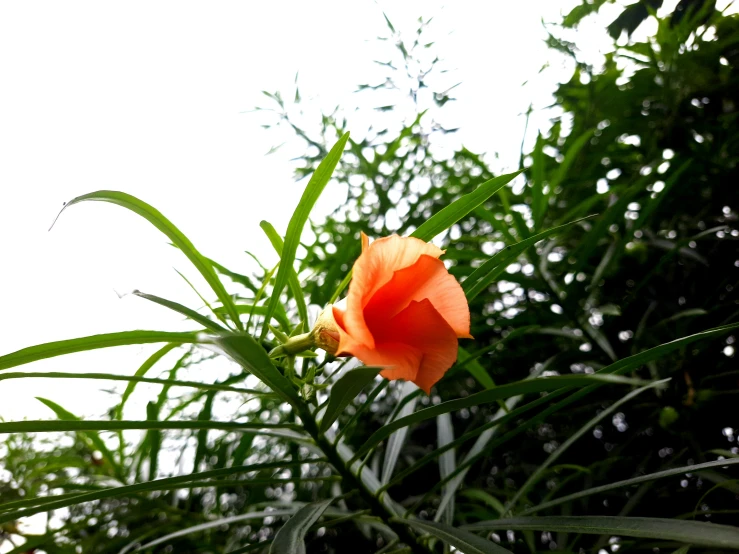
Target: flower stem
x,y
353,481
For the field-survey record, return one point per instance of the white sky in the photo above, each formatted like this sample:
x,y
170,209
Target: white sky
x,y
150,98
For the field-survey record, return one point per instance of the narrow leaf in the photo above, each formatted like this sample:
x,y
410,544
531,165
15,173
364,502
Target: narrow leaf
x,y
315,187
458,209
630,482
156,218
464,541
397,438
538,198
55,503
691,532
92,436
246,352
290,539
484,275
448,460
184,310
140,373
542,384
53,426
570,156
292,277
574,437
62,347
344,391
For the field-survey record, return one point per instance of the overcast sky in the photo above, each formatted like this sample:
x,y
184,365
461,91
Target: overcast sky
x,y
153,98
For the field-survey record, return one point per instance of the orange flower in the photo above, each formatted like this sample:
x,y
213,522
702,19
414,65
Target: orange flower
x,y
404,311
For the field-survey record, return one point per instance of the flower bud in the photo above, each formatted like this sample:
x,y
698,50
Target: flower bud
x,y
325,332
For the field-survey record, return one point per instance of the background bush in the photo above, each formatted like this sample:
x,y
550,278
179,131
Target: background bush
x,y
645,149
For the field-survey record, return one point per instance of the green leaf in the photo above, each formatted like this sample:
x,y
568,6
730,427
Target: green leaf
x,y
484,497
84,425
153,440
155,217
654,203
362,407
292,277
613,215
248,309
290,539
622,366
246,352
344,391
315,187
140,372
235,277
570,156
574,437
448,460
484,275
538,198
344,283
464,541
92,436
542,384
55,503
691,532
408,399
214,525
630,482
464,359
448,216
62,347
184,310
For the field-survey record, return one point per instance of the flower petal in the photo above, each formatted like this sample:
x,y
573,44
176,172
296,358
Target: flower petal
x,y
348,345
373,269
401,361
421,327
429,279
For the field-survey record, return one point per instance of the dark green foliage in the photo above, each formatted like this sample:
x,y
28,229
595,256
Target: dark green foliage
x,y
614,252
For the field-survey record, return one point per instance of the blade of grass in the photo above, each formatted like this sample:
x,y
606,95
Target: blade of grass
x,y
463,541
313,190
290,539
397,438
343,392
184,310
292,278
554,456
484,275
249,354
95,439
448,216
138,376
156,218
541,384
113,492
691,532
60,348
622,366
448,460
629,482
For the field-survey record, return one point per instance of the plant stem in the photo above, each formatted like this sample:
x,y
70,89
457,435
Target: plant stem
x,y
353,481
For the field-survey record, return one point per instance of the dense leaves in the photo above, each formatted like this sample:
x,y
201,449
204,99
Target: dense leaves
x,y
593,410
